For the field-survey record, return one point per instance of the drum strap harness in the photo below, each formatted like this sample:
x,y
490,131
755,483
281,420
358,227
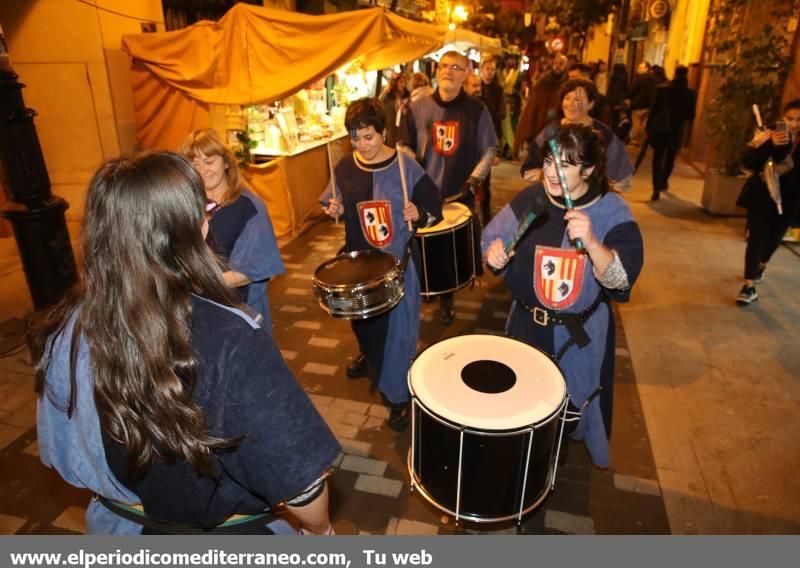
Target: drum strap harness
x,y
573,322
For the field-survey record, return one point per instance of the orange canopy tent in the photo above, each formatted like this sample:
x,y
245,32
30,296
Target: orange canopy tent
x,y
260,55
256,55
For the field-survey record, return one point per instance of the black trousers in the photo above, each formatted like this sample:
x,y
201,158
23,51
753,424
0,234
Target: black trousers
x,y
764,237
665,149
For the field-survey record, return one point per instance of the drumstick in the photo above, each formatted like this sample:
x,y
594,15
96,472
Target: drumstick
x,y
333,178
403,179
562,179
759,122
538,208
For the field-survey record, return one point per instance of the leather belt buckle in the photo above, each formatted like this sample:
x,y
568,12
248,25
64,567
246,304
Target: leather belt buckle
x,y
541,316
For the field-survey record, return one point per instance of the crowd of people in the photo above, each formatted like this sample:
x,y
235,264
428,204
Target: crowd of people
x,y
161,387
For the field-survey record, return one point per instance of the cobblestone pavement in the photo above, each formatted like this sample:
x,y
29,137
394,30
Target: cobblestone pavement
x,y
370,485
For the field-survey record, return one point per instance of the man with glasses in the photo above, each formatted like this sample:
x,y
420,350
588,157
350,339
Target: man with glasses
x,y
452,136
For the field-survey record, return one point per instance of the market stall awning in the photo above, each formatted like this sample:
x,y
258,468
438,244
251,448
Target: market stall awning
x,y
259,55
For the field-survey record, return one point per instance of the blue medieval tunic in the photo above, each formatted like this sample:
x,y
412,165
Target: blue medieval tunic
x,y
618,164
243,387
374,191
450,139
242,233
588,367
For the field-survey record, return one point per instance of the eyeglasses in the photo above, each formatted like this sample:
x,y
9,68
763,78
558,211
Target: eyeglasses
x,y
451,66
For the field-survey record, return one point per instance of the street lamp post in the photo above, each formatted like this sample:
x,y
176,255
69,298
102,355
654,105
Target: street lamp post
x,y
36,215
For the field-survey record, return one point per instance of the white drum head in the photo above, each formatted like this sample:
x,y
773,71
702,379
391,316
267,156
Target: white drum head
x,y
453,215
451,379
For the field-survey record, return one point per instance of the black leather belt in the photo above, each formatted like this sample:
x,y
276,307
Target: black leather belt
x,y
545,317
572,321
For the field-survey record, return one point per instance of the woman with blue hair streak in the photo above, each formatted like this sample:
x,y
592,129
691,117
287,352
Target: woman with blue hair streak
x,y
562,294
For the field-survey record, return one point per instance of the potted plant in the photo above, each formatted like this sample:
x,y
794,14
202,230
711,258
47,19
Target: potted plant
x,y
747,47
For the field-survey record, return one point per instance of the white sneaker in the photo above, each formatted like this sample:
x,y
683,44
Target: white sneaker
x,y
747,295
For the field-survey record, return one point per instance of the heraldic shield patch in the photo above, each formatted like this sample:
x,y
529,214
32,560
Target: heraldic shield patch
x,y
376,222
558,276
445,137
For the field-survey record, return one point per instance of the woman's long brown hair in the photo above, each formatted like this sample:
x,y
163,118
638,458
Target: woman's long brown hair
x,y
143,257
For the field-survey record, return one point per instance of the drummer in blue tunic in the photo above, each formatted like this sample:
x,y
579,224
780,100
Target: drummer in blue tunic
x,y
561,295
370,197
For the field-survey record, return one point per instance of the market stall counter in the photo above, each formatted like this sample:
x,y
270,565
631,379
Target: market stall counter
x,y
291,184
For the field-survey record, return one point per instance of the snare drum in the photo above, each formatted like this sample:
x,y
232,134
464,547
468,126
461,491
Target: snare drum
x,y
487,423
448,252
359,285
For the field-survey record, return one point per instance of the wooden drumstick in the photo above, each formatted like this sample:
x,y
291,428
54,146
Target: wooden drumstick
x,y
403,180
333,178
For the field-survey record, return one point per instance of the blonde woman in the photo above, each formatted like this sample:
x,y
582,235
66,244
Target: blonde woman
x,y
239,225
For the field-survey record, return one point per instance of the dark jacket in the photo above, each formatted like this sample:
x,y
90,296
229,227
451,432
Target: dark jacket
x,y
642,93
673,107
755,195
617,86
494,99
602,110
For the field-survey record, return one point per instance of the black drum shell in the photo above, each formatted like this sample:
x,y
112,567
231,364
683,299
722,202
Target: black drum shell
x,y
493,465
447,258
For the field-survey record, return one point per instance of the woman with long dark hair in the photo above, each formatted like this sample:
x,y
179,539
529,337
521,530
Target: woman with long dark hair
x,y
395,102
562,295
156,392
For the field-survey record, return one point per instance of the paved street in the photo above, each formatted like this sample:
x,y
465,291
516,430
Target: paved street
x,y
706,393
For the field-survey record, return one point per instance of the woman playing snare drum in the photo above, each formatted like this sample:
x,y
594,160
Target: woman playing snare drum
x,y
561,295
370,197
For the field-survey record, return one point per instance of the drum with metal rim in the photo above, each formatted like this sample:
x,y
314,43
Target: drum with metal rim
x,y
359,285
487,424
448,252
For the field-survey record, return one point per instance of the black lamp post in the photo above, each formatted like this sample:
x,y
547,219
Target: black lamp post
x,y
36,215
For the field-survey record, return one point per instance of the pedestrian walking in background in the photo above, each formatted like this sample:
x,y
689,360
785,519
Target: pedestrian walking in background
x,y
510,81
767,224
673,108
420,86
473,86
600,77
542,102
640,98
617,87
394,100
492,96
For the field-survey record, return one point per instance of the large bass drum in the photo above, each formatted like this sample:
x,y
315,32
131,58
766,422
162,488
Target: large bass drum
x,y
487,424
448,252
359,285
